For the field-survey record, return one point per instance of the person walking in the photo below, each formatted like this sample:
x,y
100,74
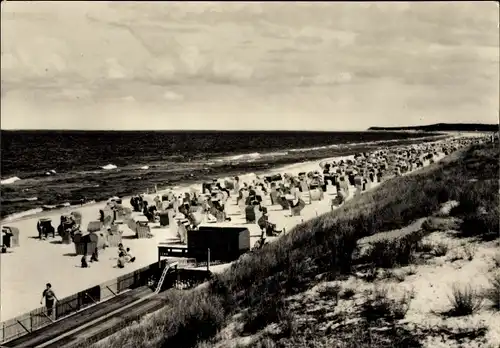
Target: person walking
x,y
50,299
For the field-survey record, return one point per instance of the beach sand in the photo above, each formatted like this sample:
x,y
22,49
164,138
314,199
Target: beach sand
x,y
26,269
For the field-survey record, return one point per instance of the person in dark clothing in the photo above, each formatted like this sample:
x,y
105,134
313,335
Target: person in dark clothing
x,y
184,209
84,262
219,186
121,262
267,228
101,215
50,298
95,256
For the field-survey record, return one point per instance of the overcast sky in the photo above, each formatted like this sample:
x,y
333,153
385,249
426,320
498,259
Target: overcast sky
x,y
317,66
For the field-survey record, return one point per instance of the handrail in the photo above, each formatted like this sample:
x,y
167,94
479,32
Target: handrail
x,y
10,332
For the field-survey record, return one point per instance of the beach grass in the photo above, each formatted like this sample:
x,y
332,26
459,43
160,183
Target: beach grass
x,y
258,283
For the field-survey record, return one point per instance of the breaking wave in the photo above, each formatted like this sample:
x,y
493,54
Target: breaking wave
x,y
10,180
109,167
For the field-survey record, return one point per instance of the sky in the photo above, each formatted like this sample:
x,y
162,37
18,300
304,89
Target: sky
x,y
253,66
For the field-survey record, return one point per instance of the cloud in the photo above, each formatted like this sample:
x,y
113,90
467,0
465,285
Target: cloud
x,y
172,96
128,98
174,55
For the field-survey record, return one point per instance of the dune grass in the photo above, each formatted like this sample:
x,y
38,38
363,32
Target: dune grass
x,y
493,293
258,283
464,301
380,306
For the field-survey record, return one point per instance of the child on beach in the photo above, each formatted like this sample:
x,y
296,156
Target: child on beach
x,y
121,262
50,298
121,250
129,257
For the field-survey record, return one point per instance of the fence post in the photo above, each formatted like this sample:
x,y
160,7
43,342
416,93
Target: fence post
x,y
208,260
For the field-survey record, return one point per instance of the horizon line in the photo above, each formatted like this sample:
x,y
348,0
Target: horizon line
x,y
179,130
244,130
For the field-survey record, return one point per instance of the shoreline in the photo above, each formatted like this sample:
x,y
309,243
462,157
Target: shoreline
x,y
22,271
175,189
17,288
23,215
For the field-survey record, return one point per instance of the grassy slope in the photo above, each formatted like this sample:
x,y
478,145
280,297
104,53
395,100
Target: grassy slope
x,y
325,245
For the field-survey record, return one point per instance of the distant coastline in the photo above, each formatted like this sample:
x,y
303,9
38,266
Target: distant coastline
x,y
443,127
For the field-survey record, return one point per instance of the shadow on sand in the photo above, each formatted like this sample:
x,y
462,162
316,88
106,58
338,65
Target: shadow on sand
x,y
129,237
173,241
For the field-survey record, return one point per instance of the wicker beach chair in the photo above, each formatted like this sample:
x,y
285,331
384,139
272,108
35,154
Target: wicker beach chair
x,y
182,230
66,237
242,205
250,214
229,184
283,202
77,217
142,230
304,188
220,216
93,241
164,218
298,207
274,197
316,194
94,226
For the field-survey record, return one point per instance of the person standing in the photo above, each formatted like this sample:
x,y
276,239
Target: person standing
x,y
50,298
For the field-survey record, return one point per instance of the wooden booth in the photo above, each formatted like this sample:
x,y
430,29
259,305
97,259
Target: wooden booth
x,y
85,244
225,244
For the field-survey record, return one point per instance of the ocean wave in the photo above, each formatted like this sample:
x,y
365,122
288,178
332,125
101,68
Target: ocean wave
x,y
22,214
56,206
19,200
277,153
51,172
9,180
109,167
245,156
144,167
307,149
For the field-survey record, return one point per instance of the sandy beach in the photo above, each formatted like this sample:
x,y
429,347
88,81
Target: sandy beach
x,y
25,270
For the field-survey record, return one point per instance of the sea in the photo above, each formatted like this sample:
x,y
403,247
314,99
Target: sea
x,y
56,168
